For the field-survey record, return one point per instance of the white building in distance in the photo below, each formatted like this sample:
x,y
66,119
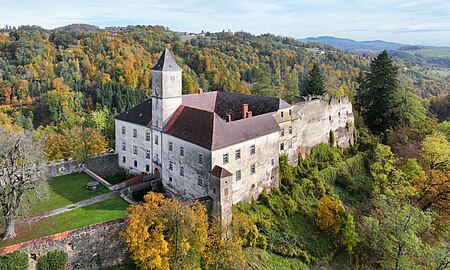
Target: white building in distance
x,y
218,144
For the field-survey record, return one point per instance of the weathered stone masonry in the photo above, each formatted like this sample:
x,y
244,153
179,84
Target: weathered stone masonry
x,y
93,247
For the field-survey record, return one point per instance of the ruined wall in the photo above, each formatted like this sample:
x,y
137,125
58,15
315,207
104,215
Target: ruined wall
x,y
312,121
92,247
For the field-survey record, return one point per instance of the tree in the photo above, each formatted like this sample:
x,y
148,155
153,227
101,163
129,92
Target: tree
x,y
388,180
392,234
21,171
381,98
436,151
315,84
223,248
166,234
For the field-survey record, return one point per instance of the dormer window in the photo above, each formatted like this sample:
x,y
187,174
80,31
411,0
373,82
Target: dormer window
x,y
282,114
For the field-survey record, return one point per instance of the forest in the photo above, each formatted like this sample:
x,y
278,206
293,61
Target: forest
x,y
381,204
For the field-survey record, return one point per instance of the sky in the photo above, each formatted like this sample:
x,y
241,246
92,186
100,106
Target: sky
x,y
425,22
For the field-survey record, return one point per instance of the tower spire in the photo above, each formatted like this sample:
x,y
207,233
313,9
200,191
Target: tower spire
x,y
166,62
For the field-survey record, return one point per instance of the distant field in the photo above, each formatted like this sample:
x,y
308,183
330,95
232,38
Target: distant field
x,y
445,52
96,213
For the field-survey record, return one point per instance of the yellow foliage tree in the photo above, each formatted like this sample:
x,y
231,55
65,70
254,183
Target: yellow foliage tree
x,y
330,215
166,234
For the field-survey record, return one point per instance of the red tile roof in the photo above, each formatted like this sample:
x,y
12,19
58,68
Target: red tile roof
x,y
220,172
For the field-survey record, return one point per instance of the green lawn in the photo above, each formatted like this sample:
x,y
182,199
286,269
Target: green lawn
x,y
103,211
64,190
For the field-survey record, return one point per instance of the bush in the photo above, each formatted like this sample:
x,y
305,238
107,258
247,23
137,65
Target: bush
x,y
16,260
53,260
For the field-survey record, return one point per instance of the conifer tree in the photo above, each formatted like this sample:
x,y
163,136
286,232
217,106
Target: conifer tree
x,y
315,83
381,94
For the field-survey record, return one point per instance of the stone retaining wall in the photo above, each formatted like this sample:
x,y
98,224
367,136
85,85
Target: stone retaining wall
x,y
92,247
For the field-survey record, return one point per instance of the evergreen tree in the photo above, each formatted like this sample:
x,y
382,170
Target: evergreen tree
x,y
315,84
381,97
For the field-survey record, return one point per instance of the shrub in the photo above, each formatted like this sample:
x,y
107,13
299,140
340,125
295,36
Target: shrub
x,y
53,260
16,260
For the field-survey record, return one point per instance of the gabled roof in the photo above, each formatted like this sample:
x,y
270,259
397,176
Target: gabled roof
x,y
140,114
208,130
166,62
224,103
220,172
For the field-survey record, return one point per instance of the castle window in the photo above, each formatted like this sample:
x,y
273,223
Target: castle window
x,y
282,114
200,180
252,149
156,157
289,143
225,192
272,161
225,158
238,175
290,130
182,151
282,132
238,154
290,112
170,179
135,163
172,78
147,167
200,159
170,146
156,140
147,154
124,159
182,171
134,133
253,168
281,146
135,149
123,130
170,165
329,117
124,146
214,190
147,136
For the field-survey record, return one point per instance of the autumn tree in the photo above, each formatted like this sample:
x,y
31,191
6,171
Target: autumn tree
x,y
223,248
21,171
436,151
166,234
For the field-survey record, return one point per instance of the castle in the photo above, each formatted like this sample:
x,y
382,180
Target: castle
x,y
218,144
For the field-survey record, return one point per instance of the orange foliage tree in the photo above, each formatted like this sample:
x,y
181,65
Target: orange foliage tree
x,y
166,234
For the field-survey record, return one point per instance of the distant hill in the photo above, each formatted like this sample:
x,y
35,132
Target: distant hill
x,y
353,45
78,28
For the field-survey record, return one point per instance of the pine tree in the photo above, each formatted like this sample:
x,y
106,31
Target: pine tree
x,y
381,96
315,83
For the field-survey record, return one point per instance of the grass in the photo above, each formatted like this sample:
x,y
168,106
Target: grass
x,y
263,260
65,190
110,209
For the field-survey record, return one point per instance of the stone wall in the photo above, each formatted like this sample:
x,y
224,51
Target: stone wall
x,y
104,164
92,247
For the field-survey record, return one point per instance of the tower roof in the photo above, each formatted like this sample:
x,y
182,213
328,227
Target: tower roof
x,y
166,62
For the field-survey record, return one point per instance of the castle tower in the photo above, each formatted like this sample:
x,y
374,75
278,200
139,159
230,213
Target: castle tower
x,y
166,89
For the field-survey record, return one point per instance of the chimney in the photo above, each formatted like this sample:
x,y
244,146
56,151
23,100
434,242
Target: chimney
x,y
200,91
228,118
244,110
249,114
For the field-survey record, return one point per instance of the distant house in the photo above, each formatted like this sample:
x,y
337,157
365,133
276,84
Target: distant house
x,y
218,144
